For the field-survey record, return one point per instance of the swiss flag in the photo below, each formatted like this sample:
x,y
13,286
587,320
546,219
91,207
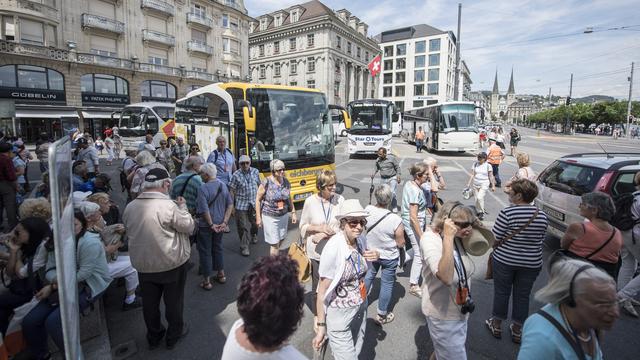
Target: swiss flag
x,y
374,66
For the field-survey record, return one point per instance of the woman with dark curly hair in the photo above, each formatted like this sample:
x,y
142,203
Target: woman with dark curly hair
x,y
270,301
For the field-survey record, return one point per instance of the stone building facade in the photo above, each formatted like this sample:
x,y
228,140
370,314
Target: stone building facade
x,y
310,45
67,63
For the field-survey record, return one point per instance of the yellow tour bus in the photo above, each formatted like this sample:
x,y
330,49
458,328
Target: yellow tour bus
x,y
265,122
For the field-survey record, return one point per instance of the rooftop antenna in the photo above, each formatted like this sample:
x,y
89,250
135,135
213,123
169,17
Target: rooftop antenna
x,y
609,156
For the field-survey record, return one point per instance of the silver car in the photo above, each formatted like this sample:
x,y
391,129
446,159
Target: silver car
x,y
563,182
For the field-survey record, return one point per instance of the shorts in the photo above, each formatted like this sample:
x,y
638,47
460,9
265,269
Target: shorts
x,y
448,337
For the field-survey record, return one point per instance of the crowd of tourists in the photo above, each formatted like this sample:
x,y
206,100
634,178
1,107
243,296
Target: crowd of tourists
x,y
178,200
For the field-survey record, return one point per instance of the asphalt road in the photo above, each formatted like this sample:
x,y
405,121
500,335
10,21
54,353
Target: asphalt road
x,y
211,314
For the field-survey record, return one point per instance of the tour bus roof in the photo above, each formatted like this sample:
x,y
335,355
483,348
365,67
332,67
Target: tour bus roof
x,y
245,86
370,101
150,104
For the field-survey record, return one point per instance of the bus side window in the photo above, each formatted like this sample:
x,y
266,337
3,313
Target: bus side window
x,y
238,118
151,123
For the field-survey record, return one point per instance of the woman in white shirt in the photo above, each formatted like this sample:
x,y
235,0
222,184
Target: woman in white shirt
x,y
318,222
446,300
482,179
386,234
342,295
524,171
270,301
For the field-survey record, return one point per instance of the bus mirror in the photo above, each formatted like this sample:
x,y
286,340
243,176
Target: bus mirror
x,y
395,117
249,120
245,104
347,119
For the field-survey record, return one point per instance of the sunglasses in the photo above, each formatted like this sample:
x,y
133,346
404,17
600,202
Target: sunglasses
x,y
463,225
279,170
197,149
355,222
244,163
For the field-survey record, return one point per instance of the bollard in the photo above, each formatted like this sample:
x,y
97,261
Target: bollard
x,y
538,132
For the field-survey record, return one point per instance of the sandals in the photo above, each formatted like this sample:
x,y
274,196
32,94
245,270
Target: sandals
x,y
516,335
220,278
415,291
206,285
384,319
495,330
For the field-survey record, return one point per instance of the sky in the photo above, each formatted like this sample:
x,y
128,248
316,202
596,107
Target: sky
x,y
543,40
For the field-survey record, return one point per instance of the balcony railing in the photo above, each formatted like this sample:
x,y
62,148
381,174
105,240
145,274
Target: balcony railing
x,y
197,46
159,69
158,37
44,52
200,20
192,74
159,6
105,61
102,23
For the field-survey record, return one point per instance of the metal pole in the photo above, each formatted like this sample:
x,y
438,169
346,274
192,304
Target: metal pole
x,y
569,113
628,129
549,97
456,86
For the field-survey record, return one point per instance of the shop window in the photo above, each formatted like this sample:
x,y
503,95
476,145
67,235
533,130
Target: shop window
x,y
30,77
8,76
157,90
103,84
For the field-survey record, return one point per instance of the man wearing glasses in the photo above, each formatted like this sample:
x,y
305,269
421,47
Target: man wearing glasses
x,y
223,159
244,187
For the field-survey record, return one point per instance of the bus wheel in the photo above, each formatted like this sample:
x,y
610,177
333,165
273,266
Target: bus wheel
x,y
343,133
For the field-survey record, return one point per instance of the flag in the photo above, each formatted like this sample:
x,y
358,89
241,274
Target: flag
x,y
374,65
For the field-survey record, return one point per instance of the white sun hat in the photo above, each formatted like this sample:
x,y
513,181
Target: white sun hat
x,y
351,209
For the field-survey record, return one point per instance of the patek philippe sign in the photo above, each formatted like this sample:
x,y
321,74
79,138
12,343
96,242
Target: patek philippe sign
x,y
34,95
93,99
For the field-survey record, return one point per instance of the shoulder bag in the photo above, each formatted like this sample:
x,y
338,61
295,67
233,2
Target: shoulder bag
x,y
298,252
489,274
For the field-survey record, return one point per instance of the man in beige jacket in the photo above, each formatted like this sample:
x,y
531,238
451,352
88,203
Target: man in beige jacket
x,y
158,230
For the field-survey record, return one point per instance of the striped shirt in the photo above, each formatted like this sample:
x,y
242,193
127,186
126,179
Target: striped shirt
x,y
191,188
525,248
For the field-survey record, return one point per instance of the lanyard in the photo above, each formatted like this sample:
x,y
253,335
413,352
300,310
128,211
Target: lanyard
x,y
359,265
327,214
459,266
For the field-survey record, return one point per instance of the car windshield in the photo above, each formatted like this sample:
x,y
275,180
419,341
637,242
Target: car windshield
x,y
293,126
458,118
369,117
571,178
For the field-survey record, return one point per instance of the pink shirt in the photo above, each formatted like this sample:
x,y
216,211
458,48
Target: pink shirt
x,y
592,239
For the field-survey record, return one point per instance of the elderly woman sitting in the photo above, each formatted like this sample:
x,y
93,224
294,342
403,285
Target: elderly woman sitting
x,y
595,240
581,302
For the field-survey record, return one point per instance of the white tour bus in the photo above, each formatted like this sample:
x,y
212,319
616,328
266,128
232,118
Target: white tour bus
x,y
139,119
371,125
450,126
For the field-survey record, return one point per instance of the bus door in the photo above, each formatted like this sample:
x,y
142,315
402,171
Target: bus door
x,y
340,119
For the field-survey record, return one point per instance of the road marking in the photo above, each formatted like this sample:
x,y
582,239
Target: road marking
x,y
344,162
488,192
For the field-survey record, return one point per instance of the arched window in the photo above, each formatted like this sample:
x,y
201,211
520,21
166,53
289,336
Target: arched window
x,y
104,89
156,90
31,83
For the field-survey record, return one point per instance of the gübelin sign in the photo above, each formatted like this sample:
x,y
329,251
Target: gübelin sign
x,y
34,95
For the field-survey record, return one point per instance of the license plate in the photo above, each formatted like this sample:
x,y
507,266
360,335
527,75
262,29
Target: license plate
x,y
553,213
369,143
302,196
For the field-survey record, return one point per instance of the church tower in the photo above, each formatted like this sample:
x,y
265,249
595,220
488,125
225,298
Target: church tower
x,y
511,93
495,96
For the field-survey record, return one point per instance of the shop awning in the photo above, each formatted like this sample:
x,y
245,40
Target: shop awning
x,y
96,115
45,114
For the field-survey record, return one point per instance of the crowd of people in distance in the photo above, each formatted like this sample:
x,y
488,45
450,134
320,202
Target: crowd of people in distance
x,y
178,200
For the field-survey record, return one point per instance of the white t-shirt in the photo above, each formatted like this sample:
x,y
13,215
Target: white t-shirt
x,y
234,351
39,261
481,171
383,237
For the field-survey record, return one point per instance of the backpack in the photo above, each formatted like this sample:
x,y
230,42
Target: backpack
x,y
123,176
623,219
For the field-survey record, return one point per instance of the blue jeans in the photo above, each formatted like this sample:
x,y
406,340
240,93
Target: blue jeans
x,y
496,173
521,279
387,279
419,145
43,320
210,251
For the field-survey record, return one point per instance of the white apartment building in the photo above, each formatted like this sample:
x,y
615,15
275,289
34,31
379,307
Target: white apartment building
x,y
310,45
418,66
68,63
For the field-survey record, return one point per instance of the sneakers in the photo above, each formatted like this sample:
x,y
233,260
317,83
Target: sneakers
x,y
384,319
627,305
134,305
245,252
415,291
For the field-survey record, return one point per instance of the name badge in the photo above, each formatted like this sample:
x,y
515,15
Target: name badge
x,y
280,204
363,290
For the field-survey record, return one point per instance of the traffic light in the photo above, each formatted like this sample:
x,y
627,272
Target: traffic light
x,y
568,100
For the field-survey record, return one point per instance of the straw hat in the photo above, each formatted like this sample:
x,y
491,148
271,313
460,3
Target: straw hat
x,y
479,242
351,209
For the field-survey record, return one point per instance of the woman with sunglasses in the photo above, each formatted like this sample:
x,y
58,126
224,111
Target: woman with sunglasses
x,y
482,179
318,223
194,151
520,230
275,203
341,304
414,209
446,300
163,154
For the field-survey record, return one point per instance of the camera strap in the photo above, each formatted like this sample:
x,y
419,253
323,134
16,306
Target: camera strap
x,y
461,271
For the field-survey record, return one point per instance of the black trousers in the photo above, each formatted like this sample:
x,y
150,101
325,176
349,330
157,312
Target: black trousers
x,y
168,285
8,302
315,280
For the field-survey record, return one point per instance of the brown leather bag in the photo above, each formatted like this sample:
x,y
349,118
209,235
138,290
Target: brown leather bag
x,y
489,274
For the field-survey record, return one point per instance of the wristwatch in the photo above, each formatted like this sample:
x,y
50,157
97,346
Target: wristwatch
x,y
321,324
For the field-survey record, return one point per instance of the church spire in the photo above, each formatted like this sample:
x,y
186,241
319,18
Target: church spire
x,y
495,83
512,89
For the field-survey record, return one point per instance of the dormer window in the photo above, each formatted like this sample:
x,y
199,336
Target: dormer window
x,y
277,21
295,16
263,24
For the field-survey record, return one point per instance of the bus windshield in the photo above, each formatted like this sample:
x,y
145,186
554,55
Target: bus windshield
x,y
369,117
292,126
458,118
165,112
